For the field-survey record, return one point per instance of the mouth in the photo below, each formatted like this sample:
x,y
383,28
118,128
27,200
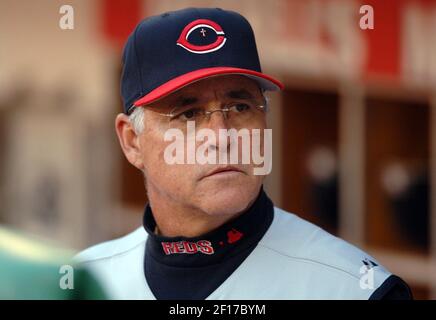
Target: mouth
x,y
226,171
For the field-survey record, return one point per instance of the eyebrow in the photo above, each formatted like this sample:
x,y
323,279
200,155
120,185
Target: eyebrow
x,y
185,101
240,94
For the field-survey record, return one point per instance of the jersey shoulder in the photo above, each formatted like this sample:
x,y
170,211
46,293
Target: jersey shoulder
x,y
298,239
118,265
113,248
307,254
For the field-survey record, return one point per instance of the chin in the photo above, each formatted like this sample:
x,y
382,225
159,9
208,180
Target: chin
x,y
228,199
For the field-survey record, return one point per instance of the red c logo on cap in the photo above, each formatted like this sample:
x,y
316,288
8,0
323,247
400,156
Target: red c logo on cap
x,y
218,44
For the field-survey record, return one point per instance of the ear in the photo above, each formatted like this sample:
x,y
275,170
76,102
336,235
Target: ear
x,y
129,140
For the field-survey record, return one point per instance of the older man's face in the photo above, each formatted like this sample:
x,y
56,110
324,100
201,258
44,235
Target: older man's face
x,y
194,185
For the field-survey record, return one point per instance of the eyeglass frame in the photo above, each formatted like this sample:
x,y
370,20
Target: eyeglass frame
x,y
263,107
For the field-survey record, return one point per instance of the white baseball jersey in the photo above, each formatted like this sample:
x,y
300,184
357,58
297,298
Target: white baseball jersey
x,y
293,259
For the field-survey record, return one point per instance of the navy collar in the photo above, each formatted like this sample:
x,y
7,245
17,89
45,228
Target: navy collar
x,y
230,239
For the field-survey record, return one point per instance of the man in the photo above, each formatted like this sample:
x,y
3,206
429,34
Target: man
x,y
209,229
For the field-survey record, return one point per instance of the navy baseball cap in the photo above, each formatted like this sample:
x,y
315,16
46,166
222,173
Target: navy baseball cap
x,y
169,51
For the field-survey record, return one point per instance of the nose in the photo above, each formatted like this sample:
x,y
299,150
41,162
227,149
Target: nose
x,y
216,118
216,121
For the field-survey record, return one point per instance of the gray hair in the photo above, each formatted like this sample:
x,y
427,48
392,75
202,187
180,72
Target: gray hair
x,y
137,119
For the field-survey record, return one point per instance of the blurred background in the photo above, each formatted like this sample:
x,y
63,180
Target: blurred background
x,y
354,132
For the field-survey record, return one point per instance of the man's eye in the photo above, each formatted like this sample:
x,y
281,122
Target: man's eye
x,y
188,114
241,107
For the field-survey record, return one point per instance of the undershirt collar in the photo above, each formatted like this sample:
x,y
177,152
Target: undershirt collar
x,y
214,247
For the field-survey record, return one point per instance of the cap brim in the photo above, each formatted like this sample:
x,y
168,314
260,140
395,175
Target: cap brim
x,y
266,82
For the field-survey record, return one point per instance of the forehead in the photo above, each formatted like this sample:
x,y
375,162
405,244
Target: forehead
x,y
214,87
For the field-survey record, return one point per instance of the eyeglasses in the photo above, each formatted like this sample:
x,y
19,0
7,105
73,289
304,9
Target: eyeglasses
x,y
238,114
